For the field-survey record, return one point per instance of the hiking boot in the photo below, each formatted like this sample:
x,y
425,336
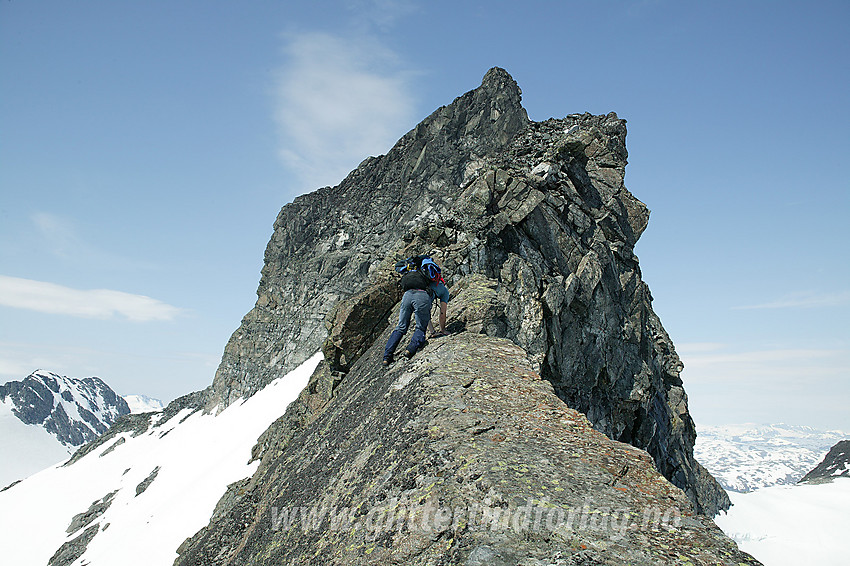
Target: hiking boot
x,y
408,354
387,361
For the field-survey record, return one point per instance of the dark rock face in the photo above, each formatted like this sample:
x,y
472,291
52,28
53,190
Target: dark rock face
x,y
462,455
329,244
146,483
540,210
96,509
46,399
835,464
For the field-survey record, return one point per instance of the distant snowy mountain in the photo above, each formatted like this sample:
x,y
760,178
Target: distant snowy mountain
x,y
748,457
143,403
139,492
46,417
792,525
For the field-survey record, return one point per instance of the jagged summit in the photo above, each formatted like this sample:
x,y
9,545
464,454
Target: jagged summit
x,y
535,231
541,209
45,416
538,208
498,79
327,245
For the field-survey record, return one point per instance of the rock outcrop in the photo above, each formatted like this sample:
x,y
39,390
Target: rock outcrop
x,y
540,209
834,465
559,390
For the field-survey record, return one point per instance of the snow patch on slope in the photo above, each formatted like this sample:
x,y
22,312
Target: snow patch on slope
x,y
198,456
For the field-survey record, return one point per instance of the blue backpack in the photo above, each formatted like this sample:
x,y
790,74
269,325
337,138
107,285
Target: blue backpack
x,y
425,264
431,270
407,265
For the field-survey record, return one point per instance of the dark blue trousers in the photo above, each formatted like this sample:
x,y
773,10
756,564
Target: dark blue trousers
x,y
418,304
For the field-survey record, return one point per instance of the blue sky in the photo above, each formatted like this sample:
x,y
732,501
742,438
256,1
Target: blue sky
x,y
146,148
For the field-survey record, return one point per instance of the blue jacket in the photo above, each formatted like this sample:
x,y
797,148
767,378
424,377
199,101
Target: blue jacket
x,y
440,290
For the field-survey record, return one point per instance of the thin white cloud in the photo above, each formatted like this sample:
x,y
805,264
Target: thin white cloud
x,y
779,357
381,14
60,237
717,363
95,303
699,347
338,101
804,301
796,385
14,366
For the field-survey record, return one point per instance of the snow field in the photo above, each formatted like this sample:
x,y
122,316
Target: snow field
x,y
799,525
198,458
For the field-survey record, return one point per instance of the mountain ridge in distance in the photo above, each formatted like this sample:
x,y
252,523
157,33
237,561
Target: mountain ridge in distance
x,y
747,457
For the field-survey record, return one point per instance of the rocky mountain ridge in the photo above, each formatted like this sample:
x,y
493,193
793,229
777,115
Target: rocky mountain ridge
x,y
463,455
538,208
535,231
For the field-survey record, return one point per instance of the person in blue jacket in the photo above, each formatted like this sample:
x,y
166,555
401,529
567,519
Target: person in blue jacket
x,y
416,301
422,282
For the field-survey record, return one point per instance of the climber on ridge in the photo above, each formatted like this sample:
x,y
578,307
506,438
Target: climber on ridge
x,y
421,282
